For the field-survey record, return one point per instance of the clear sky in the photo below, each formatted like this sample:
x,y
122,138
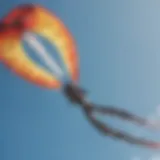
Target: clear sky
x,y
118,44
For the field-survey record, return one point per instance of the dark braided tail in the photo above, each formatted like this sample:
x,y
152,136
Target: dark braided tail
x,y
89,109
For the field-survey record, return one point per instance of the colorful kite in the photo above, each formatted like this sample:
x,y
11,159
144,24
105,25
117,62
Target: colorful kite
x,y
30,18
33,18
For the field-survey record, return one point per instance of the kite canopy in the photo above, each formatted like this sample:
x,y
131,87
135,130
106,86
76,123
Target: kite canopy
x,y
36,19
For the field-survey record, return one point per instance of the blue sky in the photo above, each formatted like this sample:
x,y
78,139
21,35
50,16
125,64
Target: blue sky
x,y
118,46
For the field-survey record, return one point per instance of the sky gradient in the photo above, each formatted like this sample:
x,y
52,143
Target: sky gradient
x,y
118,45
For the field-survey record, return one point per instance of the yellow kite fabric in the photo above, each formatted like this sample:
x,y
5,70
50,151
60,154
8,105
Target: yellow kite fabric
x,y
35,18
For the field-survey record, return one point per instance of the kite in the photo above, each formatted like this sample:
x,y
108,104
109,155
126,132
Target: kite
x,y
30,18
27,18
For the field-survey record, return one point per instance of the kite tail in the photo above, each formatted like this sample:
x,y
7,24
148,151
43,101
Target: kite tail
x,y
103,128
123,114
